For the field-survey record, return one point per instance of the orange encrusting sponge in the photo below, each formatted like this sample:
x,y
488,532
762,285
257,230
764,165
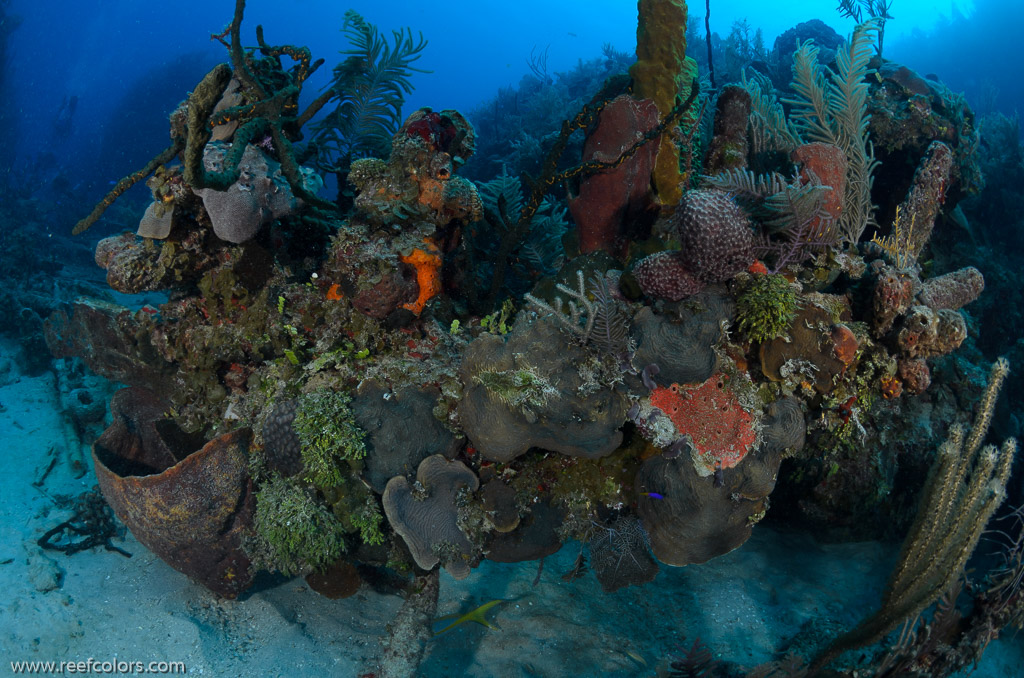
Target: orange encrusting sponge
x,y
427,262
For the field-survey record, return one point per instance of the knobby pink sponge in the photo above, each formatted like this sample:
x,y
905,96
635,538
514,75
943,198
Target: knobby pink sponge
x,y
953,290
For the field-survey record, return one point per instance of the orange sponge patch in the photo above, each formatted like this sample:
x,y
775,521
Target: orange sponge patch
x,y
334,293
721,430
427,263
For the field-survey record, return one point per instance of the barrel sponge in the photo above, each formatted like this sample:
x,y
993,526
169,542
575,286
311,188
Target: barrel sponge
x,y
429,524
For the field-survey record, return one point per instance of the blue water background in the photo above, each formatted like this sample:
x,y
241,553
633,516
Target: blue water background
x,y
131,62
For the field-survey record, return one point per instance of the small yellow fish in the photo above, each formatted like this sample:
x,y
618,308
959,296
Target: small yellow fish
x,y
476,615
635,657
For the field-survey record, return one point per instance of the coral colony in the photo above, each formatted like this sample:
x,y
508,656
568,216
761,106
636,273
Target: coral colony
x,y
418,375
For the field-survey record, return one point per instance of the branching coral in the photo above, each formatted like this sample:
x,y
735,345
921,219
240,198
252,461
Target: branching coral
x,y
966,485
329,436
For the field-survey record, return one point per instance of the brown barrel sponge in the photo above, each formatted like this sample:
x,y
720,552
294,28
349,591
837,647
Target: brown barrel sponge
x,y
188,507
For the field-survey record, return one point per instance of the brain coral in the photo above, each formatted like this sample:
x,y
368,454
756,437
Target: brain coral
x,y
281,444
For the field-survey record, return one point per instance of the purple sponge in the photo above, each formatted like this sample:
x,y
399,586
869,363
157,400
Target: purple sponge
x,y
716,235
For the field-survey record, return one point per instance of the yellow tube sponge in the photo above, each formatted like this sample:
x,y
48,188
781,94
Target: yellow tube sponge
x,y
658,75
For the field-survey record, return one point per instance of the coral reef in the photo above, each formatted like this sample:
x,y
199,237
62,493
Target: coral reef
x,y
399,191
328,435
814,351
665,275
294,534
683,347
440,372
400,430
953,290
368,89
965,487
260,195
720,431
619,555
695,516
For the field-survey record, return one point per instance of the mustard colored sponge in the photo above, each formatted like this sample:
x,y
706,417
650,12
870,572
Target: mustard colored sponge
x,y
658,74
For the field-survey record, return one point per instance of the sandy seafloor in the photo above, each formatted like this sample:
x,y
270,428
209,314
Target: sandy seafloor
x,y
102,605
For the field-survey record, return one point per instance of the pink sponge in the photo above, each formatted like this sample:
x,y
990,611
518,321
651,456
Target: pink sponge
x,y
260,195
953,290
663,275
716,235
721,431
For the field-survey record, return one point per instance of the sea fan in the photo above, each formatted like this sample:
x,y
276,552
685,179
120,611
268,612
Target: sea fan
x,y
610,329
745,185
778,205
832,108
370,87
541,251
769,130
